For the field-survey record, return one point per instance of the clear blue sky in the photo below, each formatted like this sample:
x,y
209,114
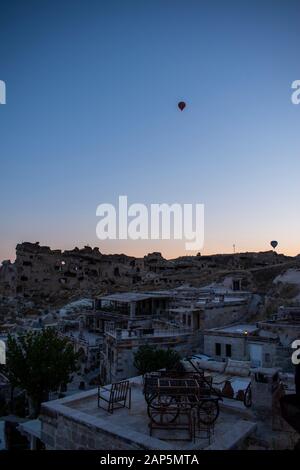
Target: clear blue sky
x,y
92,88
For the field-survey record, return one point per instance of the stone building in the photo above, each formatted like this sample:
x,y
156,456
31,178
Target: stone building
x,y
135,305
209,307
87,344
137,318
285,324
127,309
117,356
169,318
242,342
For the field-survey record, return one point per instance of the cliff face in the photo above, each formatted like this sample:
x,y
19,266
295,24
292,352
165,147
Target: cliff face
x,y
49,274
8,279
53,277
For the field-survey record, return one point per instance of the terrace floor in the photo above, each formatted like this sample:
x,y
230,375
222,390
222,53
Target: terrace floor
x,y
232,426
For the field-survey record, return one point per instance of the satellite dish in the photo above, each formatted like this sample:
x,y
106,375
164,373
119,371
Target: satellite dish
x,y
181,105
273,244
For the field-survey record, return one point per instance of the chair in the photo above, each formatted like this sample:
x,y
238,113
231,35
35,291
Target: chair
x,y
118,395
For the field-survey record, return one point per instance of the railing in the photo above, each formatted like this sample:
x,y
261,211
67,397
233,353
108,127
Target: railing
x,y
90,342
150,332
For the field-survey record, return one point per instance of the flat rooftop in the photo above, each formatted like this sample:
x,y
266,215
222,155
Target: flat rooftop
x,y
220,301
290,323
240,329
221,289
134,296
133,425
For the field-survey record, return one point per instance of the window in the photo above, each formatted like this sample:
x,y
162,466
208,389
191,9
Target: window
x,y
184,319
267,357
189,320
27,263
218,349
236,285
228,350
110,355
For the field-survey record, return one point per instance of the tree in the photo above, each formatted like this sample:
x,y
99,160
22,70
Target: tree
x,y
149,359
40,363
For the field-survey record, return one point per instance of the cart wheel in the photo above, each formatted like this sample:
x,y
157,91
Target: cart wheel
x,y
248,398
162,410
149,396
208,411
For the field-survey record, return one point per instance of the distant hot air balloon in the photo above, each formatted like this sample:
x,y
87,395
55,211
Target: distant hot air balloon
x,y
181,105
273,244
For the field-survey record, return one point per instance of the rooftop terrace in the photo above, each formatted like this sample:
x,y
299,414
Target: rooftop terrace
x,y
120,334
128,297
245,329
128,428
220,301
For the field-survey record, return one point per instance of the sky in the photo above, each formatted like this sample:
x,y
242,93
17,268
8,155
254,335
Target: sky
x,y
91,113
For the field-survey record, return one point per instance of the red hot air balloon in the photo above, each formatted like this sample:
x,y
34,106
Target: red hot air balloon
x,y
181,105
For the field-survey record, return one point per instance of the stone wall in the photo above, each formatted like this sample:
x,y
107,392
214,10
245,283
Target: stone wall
x,y
239,348
224,314
64,427
65,433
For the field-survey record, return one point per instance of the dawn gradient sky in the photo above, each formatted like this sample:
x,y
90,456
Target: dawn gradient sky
x,y
92,89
